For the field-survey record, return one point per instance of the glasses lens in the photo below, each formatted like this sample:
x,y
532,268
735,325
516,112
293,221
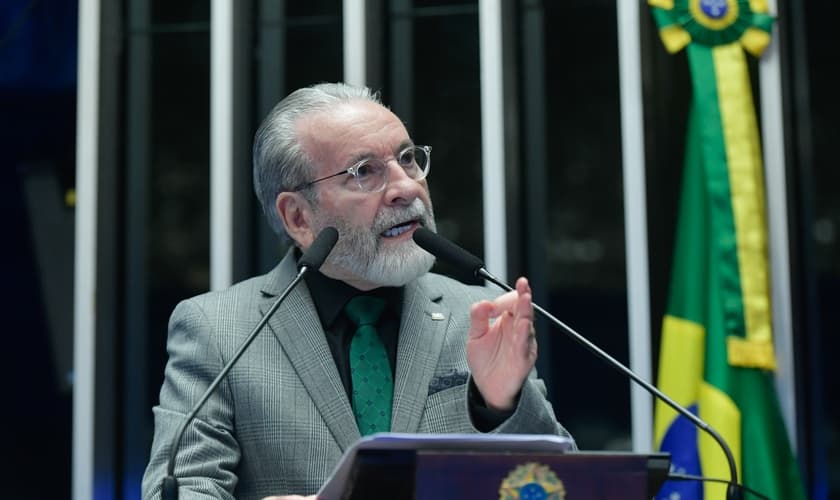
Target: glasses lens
x,y
370,175
415,162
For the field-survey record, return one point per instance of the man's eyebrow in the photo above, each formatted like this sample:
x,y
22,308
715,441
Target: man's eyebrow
x,y
367,156
359,157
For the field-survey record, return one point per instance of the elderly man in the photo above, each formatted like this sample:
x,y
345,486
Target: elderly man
x,y
444,357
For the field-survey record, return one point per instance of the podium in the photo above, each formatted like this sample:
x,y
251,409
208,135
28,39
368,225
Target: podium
x,y
442,467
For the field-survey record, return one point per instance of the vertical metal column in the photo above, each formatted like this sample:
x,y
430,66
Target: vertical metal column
x,y
84,286
84,322
493,136
355,69
772,129
635,219
221,143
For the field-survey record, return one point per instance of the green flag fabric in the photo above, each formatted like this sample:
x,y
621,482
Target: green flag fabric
x,y
717,356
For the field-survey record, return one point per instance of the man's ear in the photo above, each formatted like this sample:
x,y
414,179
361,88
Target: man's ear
x,y
296,213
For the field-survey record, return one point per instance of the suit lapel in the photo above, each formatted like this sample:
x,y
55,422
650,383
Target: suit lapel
x,y
298,329
422,331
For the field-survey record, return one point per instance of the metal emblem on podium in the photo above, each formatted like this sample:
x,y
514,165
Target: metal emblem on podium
x,y
532,481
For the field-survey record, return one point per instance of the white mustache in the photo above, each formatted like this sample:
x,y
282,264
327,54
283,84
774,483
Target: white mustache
x,y
389,217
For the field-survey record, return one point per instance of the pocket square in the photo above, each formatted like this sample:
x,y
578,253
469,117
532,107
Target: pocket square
x,y
447,380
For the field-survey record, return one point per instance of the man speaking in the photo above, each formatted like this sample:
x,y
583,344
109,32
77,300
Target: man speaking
x,y
373,342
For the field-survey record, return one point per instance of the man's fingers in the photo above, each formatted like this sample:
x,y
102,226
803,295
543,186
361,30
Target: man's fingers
x,y
480,318
524,307
522,285
506,302
510,310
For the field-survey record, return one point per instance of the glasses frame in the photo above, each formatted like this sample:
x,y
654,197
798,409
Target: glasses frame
x,y
424,172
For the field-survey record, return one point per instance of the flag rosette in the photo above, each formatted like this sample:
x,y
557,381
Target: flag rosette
x,y
713,23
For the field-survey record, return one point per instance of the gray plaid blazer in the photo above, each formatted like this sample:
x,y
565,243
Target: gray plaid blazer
x,y
280,421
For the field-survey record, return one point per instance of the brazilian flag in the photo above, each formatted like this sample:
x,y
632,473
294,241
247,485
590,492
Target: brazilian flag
x,y
717,356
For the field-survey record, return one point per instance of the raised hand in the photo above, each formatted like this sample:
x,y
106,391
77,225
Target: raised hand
x,y
502,347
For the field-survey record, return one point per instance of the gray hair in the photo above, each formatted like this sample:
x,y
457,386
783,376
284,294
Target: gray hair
x,y
280,163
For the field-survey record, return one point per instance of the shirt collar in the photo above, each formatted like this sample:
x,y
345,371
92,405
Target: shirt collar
x,y
331,295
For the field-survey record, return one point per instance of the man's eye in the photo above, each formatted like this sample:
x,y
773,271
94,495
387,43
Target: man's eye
x,y
364,170
407,158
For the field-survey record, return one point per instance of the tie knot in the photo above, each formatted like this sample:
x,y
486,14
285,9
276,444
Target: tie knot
x,y
364,310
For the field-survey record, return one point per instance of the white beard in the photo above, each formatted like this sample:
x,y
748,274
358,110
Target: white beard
x,y
359,253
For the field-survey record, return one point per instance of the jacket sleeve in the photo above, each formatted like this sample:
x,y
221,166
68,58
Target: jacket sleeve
x,y
208,453
534,413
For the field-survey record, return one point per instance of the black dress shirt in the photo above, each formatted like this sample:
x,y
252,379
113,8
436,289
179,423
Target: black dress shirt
x,y
330,296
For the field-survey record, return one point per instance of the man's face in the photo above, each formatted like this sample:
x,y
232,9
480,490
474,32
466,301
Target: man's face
x,y
375,246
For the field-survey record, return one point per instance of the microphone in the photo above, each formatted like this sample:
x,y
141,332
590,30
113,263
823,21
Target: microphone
x,y
446,250
312,258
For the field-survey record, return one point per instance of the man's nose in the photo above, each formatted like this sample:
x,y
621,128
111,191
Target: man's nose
x,y
402,189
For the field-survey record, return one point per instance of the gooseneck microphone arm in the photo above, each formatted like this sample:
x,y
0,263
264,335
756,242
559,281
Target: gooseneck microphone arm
x,y
450,252
313,258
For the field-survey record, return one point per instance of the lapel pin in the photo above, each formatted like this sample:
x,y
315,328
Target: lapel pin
x,y
438,316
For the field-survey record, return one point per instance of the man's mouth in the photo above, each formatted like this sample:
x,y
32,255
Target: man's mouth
x,y
399,229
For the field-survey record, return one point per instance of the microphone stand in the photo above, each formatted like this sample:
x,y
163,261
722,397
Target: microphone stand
x,y
733,491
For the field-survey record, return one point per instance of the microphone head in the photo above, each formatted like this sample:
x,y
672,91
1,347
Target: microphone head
x,y
317,253
447,251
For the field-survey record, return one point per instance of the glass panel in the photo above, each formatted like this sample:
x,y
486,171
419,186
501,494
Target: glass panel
x,y
445,113
320,31
178,183
819,212
584,239
179,164
178,13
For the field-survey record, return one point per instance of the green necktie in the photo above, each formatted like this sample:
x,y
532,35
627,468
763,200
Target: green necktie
x,y
370,370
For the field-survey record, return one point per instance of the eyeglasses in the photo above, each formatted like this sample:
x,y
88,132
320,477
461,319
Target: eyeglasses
x,y
371,174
